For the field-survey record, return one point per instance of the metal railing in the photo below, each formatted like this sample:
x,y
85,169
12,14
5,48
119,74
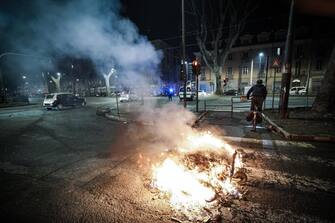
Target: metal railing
x,y
240,103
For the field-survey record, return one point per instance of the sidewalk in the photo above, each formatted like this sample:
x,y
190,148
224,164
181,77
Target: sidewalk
x,y
236,126
304,122
237,130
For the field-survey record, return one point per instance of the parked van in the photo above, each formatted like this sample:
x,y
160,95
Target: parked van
x,y
190,93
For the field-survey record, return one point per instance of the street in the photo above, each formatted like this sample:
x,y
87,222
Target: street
x,y
72,165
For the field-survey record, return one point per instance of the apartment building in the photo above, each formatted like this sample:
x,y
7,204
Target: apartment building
x,y
260,56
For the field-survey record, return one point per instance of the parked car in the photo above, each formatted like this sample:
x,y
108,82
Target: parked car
x,y
128,96
301,90
232,92
202,93
61,100
189,93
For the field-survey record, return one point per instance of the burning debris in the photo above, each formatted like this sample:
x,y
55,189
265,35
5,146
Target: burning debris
x,y
199,176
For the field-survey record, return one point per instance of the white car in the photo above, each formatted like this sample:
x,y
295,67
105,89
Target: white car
x,y
301,90
128,96
202,93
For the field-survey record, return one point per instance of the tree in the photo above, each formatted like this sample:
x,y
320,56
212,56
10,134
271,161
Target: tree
x,y
325,99
107,80
220,22
56,80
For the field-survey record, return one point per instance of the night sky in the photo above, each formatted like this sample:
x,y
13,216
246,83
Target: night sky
x,y
161,19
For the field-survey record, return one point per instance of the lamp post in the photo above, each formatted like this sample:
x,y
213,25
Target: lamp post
x,y
260,55
287,66
183,47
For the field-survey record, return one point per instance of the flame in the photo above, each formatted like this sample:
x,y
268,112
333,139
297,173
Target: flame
x,y
183,185
195,176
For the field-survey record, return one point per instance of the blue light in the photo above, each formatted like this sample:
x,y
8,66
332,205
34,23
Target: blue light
x,y
170,90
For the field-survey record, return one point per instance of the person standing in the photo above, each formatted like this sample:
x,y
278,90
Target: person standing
x,y
258,94
170,94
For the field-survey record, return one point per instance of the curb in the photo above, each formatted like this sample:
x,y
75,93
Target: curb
x,y
115,118
266,143
201,116
296,137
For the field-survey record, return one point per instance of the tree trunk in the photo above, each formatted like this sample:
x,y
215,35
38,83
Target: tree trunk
x,y
108,90
57,82
218,85
325,100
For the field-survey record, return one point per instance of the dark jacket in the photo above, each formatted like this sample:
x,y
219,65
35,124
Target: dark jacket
x,y
258,90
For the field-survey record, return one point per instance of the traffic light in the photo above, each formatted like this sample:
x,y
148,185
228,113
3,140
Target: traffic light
x,y
196,67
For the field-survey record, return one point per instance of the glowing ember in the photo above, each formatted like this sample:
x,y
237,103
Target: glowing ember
x,y
183,186
194,178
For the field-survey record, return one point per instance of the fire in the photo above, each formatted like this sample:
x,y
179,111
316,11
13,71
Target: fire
x,y
183,185
198,173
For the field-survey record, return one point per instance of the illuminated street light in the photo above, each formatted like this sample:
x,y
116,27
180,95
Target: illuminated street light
x,y
24,77
58,73
261,54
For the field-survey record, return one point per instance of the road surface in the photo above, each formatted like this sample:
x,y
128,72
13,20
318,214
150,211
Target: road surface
x,y
74,166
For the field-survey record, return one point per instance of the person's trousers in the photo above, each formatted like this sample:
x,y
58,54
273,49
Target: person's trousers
x,y
257,103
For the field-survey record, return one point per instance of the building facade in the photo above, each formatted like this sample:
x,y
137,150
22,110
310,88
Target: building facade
x,y
260,57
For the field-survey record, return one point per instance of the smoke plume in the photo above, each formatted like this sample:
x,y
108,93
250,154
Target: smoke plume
x,y
81,28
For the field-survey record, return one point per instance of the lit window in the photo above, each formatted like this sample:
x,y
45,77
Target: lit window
x,y
245,70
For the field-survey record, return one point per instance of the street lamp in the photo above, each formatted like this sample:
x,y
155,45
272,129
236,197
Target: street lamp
x,y
260,55
58,74
24,77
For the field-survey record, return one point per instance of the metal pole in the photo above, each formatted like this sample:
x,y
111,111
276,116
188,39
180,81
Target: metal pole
x,y
308,74
117,105
183,48
251,70
266,77
286,77
197,87
274,89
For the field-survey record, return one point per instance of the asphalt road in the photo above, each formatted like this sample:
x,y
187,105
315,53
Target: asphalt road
x,y
45,151
74,166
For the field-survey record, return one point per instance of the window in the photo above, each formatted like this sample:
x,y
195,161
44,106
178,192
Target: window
x,y
245,55
229,71
230,56
278,69
245,70
278,51
318,65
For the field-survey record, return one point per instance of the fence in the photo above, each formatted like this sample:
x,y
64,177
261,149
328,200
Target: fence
x,y
240,104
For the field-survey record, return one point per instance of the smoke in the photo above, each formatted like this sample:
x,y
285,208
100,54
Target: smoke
x,y
169,124
82,28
